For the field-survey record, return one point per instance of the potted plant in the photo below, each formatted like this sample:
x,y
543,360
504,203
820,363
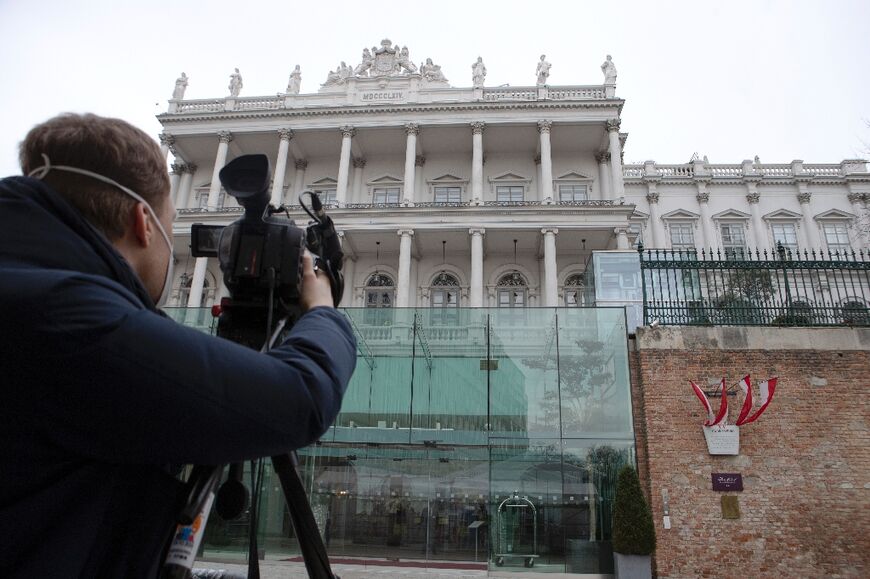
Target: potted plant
x,y
634,537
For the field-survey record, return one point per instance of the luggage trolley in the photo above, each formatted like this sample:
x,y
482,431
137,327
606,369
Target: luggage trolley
x,y
513,513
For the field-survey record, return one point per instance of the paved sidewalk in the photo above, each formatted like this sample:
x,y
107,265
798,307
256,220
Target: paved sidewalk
x,y
289,570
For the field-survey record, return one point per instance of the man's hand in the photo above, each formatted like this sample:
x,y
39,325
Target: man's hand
x,y
315,285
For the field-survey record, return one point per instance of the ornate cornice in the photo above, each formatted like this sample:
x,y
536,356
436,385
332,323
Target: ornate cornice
x,y
477,127
225,136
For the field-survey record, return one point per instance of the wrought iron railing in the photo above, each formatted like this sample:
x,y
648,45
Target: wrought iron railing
x,y
755,288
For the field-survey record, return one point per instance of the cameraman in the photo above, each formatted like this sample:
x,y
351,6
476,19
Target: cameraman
x,y
99,392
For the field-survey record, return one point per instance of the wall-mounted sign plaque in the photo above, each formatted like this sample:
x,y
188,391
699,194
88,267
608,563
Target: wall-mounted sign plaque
x,y
727,481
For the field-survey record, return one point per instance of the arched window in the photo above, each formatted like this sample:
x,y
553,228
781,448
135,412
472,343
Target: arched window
x,y
512,290
575,290
380,291
444,299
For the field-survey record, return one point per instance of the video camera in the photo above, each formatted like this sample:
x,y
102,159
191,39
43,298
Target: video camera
x,y
260,254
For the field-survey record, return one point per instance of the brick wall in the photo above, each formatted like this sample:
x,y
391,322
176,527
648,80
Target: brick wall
x,y
805,507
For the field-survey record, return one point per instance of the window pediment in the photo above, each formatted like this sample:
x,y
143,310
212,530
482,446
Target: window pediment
x,y
385,180
447,178
324,181
783,214
835,215
509,178
573,176
680,214
731,214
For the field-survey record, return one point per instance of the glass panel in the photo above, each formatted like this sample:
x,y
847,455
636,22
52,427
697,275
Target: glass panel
x,y
682,236
572,193
448,194
509,193
785,234
837,237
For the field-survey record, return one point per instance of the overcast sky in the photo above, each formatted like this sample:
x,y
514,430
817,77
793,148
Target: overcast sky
x,y
780,79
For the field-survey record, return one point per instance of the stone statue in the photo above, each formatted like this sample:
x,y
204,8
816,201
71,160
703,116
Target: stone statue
x,y
543,70
403,61
235,83
432,72
363,68
609,70
344,71
295,82
333,77
180,87
478,73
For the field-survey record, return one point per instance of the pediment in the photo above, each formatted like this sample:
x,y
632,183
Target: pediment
x,y
680,214
325,181
447,177
835,214
639,215
508,177
573,176
386,179
783,214
731,214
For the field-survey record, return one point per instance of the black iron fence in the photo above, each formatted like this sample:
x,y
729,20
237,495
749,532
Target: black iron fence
x,y
760,288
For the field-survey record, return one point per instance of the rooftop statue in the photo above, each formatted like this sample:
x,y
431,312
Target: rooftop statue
x,y
543,70
609,70
432,72
235,83
363,68
180,87
295,82
478,72
403,61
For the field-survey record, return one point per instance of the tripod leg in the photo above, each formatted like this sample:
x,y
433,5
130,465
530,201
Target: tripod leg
x,y
310,542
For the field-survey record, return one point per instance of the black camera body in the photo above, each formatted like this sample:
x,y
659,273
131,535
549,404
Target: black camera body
x,y
260,254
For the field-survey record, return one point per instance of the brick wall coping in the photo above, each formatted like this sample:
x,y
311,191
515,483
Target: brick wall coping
x,y
751,338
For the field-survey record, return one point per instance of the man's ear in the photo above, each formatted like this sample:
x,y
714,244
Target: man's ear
x,y
143,228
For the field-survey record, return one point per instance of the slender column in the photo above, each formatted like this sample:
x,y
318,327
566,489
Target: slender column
x,y
219,161
616,183
477,161
194,300
622,238
538,179
551,288
419,189
604,189
358,165
347,133
185,185
706,226
348,271
299,182
404,282
174,180
167,143
758,230
546,193
811,231
655,223
411,130
281,166
476,293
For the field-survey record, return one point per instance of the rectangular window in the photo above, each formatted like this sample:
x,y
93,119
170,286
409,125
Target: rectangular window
x,y
448,194
785,234
509,193
733,241
202,198
386,196
327,196
682,236
837,237
569,193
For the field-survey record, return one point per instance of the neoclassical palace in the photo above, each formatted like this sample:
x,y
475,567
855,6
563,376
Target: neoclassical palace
x,y
483,196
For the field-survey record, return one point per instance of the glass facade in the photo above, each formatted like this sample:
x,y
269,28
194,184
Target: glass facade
x,y
483,440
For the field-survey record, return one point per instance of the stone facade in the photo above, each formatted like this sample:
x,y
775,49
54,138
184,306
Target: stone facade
x,y
805,507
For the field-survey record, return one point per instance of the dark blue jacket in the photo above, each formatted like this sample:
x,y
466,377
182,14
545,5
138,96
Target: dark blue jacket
x,y
99,392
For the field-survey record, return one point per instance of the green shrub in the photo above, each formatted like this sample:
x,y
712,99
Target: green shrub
x,y
633,531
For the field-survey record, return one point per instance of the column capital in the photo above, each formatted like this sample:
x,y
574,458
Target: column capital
x,y
753,198
652,197
477,231
412,129
191,168
602,157
613,125
804,197
347,131
359,162
544,126
550,230
178,168
301,163
419,161
405,233
855,197
477,127
225,136
166,139
285,134
702,197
